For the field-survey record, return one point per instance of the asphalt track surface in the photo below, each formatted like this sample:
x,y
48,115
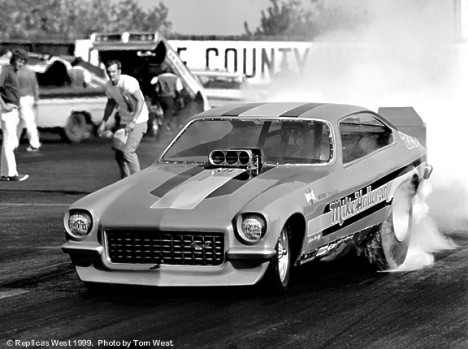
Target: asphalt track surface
x,y
334,305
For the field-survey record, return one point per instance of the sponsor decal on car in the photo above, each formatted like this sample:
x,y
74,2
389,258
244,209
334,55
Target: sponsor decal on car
x,y
310,196
324,250
410,142
314,238
345,208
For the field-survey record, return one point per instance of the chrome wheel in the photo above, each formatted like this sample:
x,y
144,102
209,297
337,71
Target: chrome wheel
x,y
283,256
401,213
278,275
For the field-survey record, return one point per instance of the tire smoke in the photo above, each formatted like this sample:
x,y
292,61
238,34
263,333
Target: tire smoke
x,y
426,238
408,56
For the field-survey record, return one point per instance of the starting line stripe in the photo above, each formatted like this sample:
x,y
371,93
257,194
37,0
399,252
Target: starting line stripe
x,y
12,293
16,204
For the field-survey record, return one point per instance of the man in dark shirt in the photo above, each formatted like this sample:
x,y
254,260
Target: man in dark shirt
x,y
168,88
79,76
9,103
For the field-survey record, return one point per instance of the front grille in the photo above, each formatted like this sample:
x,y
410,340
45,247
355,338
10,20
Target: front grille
x,y
155,247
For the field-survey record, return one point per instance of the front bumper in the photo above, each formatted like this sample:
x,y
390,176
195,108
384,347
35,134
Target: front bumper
x,y
241,267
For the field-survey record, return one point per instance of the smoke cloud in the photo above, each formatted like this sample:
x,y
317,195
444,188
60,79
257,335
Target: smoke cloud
x,y
407,55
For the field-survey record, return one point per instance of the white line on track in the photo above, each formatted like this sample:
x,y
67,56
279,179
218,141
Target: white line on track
x,y
11,293
16,204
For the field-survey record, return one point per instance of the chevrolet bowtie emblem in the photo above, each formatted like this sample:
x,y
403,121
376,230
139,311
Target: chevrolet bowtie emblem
x,y
199,246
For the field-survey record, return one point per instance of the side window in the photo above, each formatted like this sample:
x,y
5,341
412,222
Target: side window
x,y
362,134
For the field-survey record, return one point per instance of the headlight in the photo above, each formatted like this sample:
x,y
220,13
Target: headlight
x,y
79,224
252,228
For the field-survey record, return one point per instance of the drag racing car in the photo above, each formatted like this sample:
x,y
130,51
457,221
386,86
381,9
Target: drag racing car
x,y
245,193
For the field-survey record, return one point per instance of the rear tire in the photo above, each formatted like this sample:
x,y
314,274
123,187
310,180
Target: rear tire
x,y
278,274
388,246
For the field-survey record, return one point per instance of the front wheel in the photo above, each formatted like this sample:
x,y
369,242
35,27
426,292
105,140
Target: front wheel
x,y
388,246
278,274
97,288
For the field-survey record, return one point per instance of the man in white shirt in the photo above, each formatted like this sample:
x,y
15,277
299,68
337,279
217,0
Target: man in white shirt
x,y
9,117
124,93
29,92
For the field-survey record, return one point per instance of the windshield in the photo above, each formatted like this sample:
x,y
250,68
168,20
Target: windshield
x,y
282,141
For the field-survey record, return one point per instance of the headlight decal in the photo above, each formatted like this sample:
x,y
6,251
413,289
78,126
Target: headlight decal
x,y
79,223
251,227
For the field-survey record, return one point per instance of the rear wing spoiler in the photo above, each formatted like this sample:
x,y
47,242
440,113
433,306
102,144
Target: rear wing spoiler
x,y
406,120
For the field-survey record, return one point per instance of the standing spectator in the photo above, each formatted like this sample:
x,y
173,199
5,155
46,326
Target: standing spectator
x,y
10,102
29,92
168,88
79,77
124,93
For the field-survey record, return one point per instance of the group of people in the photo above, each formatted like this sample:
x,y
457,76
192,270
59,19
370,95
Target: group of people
x,y
19,94
124,94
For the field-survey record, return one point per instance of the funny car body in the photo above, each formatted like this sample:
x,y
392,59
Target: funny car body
x,y
245,193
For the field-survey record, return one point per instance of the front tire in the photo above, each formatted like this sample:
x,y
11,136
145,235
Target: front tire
x,y
278,274
97,287
388,246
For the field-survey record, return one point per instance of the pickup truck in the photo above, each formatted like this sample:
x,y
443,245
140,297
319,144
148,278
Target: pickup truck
x,y
63,107
75,112
72,112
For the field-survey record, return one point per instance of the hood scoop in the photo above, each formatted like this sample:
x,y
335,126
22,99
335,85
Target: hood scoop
x,y
249,159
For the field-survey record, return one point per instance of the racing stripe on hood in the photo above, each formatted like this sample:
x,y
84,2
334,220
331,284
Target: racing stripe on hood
x,y
190,193
236,183
173,182
297,111
242,109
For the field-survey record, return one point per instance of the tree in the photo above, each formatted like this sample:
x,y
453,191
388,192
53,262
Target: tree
x,y
288,18
72,19
284,18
